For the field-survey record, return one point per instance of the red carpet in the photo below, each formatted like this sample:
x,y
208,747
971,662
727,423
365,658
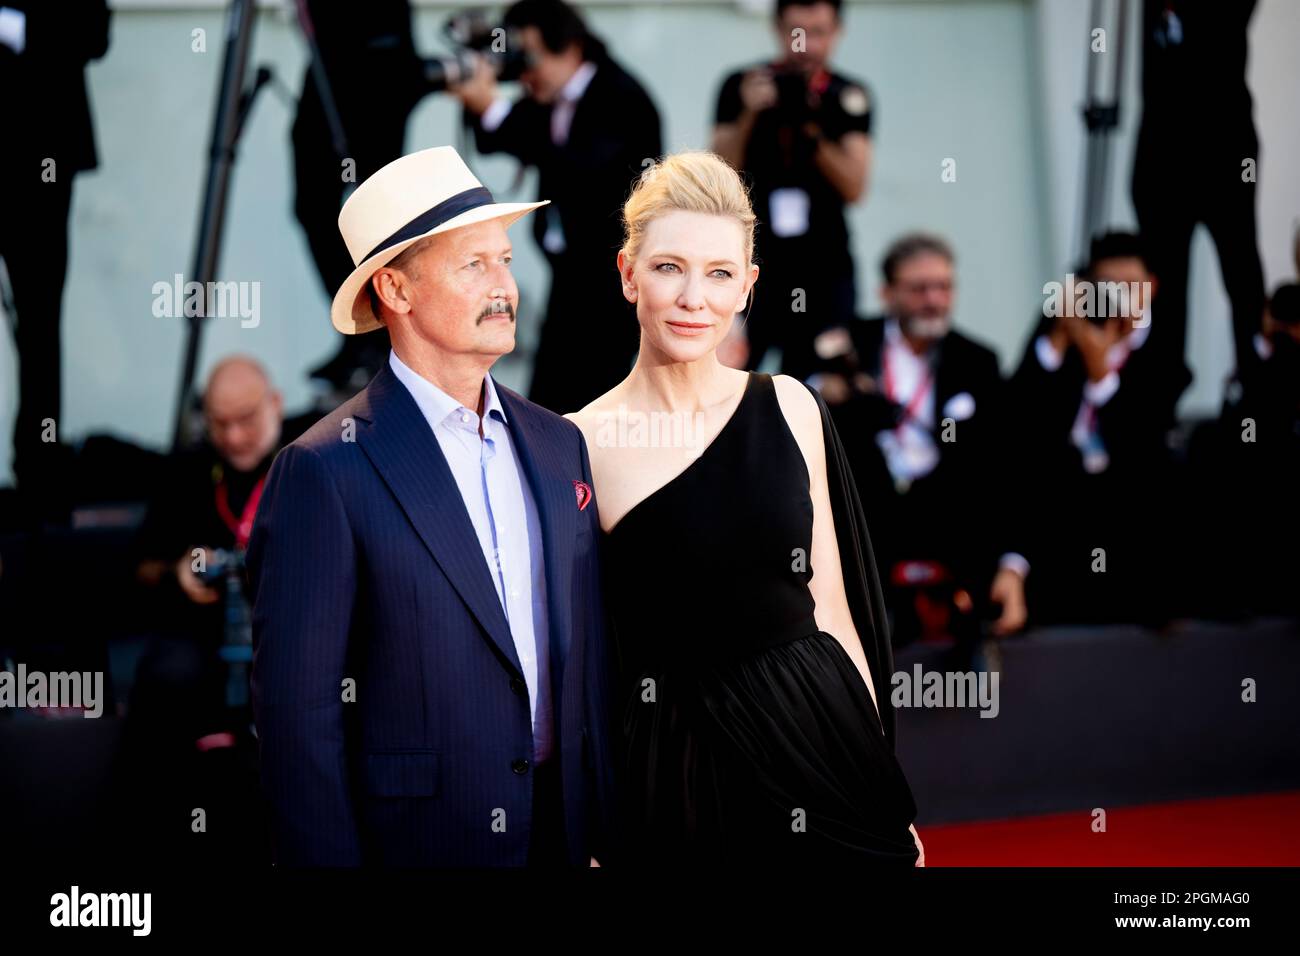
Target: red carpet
x,y
1262,830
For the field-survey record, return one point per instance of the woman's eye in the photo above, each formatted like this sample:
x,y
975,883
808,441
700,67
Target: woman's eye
x,y
666,265
723,273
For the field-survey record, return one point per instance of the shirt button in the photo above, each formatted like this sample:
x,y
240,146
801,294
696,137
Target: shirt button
x,y
519,766
464,417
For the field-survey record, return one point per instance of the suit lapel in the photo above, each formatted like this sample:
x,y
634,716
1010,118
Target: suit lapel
x,y
557,513
405,452
944,386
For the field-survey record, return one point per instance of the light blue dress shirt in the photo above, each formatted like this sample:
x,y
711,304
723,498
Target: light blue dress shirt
x,y
504,514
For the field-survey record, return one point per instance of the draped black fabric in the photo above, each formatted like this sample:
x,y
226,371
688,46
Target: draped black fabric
x,y
746,734
858,564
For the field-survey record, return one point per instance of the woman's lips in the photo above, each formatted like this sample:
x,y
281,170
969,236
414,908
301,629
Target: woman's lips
x,y
689,328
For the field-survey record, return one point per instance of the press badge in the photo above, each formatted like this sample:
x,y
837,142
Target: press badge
x,y
789,208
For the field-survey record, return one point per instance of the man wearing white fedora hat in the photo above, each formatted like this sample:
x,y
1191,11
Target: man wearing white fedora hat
x,y
429,669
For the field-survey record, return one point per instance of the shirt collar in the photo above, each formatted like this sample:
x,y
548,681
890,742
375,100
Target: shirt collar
x,y
1139,333
434,403
572,91
893,331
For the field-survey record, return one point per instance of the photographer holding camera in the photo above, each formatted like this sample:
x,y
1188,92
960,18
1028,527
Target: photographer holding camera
x,y
802,136
191,553
588,126
919,406
1089,412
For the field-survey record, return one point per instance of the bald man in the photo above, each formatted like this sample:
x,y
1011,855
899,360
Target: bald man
x,y
209,501
203,514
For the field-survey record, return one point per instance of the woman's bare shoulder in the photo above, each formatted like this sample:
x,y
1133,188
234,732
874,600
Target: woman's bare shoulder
x,y
589,417
799,407
804,419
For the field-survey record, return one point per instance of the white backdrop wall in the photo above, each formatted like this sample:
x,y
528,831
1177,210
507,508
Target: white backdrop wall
x,y
992,84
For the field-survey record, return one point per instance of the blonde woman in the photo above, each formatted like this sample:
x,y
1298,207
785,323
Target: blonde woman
x,y
746,611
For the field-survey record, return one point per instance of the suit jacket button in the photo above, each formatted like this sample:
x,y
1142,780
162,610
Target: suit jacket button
x,y
519,766
518,686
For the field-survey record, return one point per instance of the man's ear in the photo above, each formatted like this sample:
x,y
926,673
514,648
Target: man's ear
x,y
389,292
882,292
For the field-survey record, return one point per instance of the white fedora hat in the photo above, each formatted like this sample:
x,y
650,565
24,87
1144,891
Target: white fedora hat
x,y
419,195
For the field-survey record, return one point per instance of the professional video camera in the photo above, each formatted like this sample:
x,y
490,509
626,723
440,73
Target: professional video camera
x,y
474,37
225,570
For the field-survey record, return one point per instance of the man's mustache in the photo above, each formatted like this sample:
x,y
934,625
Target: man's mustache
x,y
499,307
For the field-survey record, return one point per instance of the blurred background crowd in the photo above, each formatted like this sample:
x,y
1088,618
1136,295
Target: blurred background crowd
x,y
1064,403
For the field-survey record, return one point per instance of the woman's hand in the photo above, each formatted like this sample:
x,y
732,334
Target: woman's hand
x,y
920,860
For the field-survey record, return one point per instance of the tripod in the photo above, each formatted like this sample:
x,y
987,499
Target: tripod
x,y
1101,118
234,104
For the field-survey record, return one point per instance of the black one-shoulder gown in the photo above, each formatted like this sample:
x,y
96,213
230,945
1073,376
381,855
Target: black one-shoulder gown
x,y
748,736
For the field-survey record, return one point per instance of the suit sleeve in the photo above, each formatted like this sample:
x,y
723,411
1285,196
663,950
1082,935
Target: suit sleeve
x,y
521,134
1134,421
302,581
75,31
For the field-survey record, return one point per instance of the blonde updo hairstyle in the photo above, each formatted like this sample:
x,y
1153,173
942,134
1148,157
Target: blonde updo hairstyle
x,y
691,181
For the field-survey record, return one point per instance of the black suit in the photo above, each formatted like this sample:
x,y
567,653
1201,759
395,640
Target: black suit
x,y
1195,134
376,78
1067,513
945,515
47,114
590,335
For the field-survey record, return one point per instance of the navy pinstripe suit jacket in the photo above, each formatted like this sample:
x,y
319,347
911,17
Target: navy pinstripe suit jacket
x,y
363,565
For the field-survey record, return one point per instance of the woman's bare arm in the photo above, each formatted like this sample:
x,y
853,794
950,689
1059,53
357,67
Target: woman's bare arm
x,y
827,584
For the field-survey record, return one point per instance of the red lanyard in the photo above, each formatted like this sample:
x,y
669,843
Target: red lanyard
x,y
918,394
241,528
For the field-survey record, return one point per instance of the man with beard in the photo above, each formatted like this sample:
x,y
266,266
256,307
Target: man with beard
x,y
919,408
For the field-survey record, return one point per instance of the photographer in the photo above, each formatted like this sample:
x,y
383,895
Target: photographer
x,y
45,49
207,505
1090,409
801,134
375,79
1258,450
588,127
1196,157
919,407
